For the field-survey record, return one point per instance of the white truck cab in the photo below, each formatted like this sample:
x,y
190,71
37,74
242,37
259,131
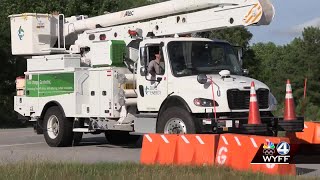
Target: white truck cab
x,y
184,61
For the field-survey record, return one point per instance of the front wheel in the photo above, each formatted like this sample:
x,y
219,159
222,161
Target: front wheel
x,y
57,129
176,120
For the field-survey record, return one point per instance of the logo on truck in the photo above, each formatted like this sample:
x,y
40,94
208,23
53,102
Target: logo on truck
x,y
127,13
152,90
20,33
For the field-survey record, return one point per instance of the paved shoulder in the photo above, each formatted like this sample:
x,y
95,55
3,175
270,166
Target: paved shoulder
x,y
23,144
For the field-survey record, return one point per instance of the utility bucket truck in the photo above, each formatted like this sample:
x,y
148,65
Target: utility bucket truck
x,y
91,75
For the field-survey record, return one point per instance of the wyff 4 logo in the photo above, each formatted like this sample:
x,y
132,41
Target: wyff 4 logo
x,y
276,155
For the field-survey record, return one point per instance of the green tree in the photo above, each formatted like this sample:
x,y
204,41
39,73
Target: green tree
x,y
295,61
238,36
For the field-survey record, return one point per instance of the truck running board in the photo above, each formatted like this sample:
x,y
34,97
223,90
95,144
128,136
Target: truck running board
x,y
82,130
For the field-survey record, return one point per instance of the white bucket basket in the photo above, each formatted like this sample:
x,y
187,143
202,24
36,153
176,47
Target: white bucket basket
x,y
33,34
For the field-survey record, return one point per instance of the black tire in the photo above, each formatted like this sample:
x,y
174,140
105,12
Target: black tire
x,y
179,113
64,137
38,129
122,138
77,137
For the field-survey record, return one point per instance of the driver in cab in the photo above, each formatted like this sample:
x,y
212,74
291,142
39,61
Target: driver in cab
x,y
154,67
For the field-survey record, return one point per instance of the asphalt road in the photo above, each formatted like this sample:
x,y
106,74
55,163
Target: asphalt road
x,y
24,145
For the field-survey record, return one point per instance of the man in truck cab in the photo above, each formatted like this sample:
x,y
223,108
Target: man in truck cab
x,y
155,67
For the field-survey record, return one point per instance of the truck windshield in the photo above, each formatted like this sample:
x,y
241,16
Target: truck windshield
x,y
189,58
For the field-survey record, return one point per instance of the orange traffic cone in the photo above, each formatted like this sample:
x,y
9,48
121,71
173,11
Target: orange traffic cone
x,y
254,114
289,108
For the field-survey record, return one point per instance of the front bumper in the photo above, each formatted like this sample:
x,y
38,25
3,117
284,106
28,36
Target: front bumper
x,y
270,125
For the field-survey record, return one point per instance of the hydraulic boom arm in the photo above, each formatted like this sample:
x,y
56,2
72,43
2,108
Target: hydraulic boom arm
x,y
225,15
40,34
196,12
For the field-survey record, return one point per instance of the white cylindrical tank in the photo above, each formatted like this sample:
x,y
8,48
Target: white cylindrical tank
x,y
145,12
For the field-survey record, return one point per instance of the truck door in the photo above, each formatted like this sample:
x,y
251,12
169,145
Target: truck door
x,y
152,87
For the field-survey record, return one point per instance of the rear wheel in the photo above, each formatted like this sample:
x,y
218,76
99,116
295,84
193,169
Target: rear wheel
x,y
176,120
58,129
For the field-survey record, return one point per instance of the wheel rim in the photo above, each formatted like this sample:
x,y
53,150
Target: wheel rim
x,y
175,126
53,127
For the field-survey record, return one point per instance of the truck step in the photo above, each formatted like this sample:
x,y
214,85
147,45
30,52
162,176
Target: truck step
x,y
82,130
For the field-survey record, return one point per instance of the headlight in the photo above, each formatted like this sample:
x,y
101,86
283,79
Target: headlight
x,y
204,102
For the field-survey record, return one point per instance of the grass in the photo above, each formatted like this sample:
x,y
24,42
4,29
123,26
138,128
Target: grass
x,y
77,171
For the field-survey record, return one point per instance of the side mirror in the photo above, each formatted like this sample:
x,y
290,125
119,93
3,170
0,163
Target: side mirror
x,y
245,72
202,78
143,56
159,79
143,71
143,61
240,53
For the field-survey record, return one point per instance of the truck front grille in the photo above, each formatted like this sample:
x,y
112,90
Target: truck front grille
x,y
240,100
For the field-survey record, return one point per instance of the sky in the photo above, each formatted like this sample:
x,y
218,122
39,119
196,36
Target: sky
x,y
290,18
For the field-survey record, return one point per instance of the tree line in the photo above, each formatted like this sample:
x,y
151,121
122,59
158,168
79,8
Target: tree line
x,y
267,62
298,61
